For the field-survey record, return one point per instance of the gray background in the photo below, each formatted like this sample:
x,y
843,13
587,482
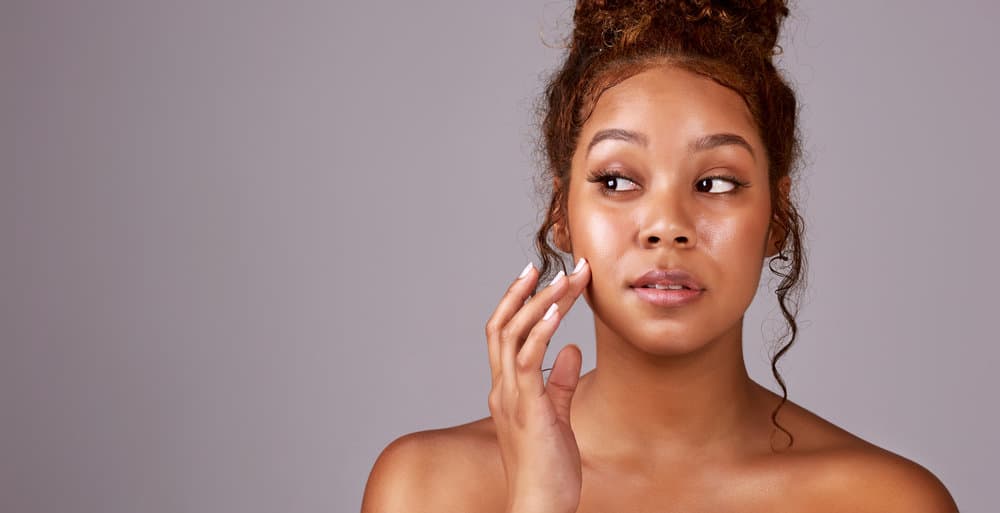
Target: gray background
x,y
246,244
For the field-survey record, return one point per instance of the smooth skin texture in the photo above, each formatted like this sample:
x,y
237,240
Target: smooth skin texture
x,y
668,420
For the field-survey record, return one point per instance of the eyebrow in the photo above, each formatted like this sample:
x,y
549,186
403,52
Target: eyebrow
x,y
715,140
619,134
703,143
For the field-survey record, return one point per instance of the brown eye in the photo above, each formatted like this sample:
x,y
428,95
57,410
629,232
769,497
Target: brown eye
x,y
614,182
708,184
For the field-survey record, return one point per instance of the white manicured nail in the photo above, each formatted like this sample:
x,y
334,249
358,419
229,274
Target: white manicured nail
x,y
527,268
557,278
579,265
552,310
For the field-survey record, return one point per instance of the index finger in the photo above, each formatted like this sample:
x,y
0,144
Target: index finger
x,y
532,353
510,303
578,280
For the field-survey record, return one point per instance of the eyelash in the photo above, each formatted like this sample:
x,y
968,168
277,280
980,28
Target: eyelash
x,y
603,176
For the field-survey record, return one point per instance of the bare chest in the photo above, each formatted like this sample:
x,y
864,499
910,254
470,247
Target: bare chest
x,y
664,492
677,491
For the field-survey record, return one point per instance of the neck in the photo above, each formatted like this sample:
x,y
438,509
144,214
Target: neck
x,y
634,402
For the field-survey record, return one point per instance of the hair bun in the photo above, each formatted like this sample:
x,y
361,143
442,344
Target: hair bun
x,y
712,27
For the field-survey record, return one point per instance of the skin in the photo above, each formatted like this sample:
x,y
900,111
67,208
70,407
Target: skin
x,y
668,420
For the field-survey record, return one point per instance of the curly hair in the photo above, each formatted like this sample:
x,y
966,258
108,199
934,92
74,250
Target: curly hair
x,y
730,41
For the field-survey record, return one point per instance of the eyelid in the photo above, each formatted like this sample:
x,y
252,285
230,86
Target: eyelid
x,y
615,172
602,175
599,176
732,179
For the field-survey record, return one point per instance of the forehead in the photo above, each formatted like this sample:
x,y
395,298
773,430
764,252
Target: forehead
x,y
667,102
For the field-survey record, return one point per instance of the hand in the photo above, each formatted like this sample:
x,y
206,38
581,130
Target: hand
x,y
540,456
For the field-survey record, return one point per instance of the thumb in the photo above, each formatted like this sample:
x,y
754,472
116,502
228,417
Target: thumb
x,y
563,380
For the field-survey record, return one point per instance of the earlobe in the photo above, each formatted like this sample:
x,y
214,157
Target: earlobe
x,y
561,238
774,237
560,232
775,234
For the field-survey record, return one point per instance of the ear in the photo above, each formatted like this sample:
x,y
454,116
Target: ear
x,y
775,234
560,236
560,226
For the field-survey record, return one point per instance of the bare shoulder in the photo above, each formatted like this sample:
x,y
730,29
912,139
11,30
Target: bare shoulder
x,y
441,470
879,480
847,473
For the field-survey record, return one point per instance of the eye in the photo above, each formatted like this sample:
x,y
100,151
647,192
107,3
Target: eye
x,y
708,183
612,182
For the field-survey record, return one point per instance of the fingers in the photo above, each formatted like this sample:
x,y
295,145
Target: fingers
x,y
563,379
527,367
519,330
528,360
579,278
511,302
513,335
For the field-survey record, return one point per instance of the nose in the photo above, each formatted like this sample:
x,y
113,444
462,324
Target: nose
x,y
666,222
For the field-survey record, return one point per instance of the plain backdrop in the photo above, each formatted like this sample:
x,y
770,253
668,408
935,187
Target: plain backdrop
x,y
246,244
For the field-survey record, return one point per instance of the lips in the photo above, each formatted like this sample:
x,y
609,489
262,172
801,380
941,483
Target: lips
x,y
668,279
668,288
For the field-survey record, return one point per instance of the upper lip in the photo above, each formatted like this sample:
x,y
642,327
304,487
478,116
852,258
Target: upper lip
x,y
674,276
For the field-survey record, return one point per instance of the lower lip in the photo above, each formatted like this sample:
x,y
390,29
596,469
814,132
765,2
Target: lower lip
x,y
666,297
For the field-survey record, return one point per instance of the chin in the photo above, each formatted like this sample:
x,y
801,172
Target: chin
x,y
675,336
665,331
669,338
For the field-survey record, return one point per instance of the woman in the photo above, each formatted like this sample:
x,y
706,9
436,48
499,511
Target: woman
x,y
671,144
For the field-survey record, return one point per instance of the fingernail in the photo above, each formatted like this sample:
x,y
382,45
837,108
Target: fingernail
x,y
552,310
527,268
557,278
579,265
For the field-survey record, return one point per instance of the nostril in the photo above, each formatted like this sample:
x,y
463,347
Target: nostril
x,y
682,239
654,239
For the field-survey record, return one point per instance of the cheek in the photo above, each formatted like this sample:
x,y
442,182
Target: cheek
x,y
600,235
720,235
597,235
736,244
741,232
603,237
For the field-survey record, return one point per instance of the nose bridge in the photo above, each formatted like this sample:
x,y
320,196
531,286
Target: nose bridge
x,y
666,215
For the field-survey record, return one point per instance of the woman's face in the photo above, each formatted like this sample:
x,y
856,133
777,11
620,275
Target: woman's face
x,y
642,198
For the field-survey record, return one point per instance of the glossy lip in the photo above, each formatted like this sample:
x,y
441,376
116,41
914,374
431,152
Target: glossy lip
x,y
668,298
675,276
